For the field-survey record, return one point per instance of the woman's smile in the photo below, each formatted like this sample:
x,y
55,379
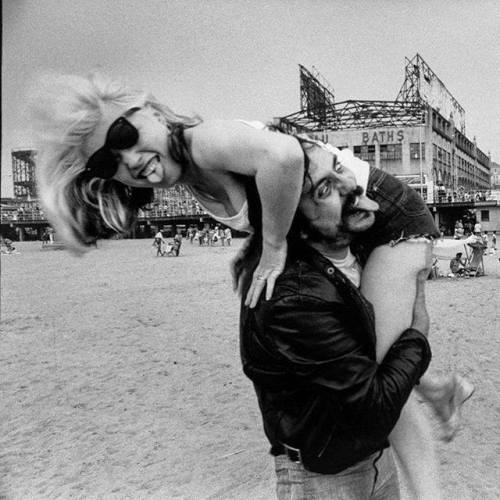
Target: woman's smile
x,y
152,171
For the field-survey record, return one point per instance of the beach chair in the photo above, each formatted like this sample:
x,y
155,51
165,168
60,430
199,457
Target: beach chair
x,y
474,259
434,272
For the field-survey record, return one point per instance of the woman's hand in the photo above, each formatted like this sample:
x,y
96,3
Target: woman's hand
x,y
271,265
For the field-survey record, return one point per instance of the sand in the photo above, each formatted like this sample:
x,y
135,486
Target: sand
x,y
120,378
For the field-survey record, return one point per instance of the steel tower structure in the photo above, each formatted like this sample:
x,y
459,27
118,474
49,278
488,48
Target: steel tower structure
x,y
23,173
421,88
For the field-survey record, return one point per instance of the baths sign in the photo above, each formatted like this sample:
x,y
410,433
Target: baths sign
x,y
383,136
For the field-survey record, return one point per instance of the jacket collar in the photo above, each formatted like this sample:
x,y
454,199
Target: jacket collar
x,y
351,294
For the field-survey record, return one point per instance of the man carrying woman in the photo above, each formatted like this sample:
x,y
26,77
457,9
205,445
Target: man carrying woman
x,y
327,405
104,147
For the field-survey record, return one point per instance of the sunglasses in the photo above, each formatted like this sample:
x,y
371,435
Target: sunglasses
x,y
121,135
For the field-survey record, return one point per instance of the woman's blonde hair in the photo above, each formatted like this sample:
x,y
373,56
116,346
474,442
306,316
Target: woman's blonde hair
x,y
65,110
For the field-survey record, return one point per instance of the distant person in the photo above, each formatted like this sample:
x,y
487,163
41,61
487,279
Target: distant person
x,y
8,246
228,235
213,235
177,244
222,236
45,237
159,242
477,228
457,265
459,230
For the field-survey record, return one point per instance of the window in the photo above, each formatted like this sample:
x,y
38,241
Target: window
x,y
485,215
414,150
389,153
366,153
394,151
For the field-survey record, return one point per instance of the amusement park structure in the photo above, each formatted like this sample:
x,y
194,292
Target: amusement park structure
x,y
418,137
320,112
23,173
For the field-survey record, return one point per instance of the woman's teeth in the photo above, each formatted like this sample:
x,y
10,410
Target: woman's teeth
x,y
153,171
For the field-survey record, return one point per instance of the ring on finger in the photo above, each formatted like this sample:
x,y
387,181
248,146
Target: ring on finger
x,y
260,278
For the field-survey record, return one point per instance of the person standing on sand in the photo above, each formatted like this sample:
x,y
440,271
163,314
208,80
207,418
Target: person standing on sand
x,y
177,244
327,405
228,235
159,242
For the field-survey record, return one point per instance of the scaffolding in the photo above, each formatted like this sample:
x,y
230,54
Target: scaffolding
x,y
357,114
422,85
421,89
23,172
317,99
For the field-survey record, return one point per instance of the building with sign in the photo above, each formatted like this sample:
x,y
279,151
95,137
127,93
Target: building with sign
x,y
420,137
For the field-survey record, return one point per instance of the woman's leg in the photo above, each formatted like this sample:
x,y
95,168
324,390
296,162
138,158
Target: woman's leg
x,y
389,281
415,453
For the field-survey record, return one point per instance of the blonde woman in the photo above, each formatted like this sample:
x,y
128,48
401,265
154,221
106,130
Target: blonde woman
x,y
104,147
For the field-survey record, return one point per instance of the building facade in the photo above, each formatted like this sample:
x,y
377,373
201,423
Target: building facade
x,y
434,157
419,137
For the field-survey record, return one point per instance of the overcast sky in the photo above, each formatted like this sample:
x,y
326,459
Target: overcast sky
x,y
239,58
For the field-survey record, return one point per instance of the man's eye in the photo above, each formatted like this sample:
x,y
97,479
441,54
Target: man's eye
x,y
324,189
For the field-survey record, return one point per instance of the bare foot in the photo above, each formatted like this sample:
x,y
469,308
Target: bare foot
x,y
462,391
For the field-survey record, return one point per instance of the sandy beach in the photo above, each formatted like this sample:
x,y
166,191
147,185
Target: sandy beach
x,y
120,378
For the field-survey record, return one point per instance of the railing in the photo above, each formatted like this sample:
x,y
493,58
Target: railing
x,y
159,213
26,216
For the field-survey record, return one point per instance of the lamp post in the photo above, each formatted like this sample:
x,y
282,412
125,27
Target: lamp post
x,y
420,160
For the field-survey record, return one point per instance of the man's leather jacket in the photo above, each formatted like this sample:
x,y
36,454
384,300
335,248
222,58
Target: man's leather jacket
x,y
310,352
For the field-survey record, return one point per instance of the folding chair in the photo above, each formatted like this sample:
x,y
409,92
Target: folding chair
x,y
474,261
434,272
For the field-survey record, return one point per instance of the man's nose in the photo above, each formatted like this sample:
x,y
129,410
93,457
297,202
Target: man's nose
x,y
348,185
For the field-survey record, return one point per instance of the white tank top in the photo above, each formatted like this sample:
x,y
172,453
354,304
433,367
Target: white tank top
x,y
238,222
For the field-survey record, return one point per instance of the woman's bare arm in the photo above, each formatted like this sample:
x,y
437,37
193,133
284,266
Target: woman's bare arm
x,y
276,162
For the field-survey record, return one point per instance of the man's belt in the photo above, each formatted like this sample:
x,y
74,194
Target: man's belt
x,y
283,449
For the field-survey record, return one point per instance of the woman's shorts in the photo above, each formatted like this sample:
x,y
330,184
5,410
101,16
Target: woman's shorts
x,y
402,213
